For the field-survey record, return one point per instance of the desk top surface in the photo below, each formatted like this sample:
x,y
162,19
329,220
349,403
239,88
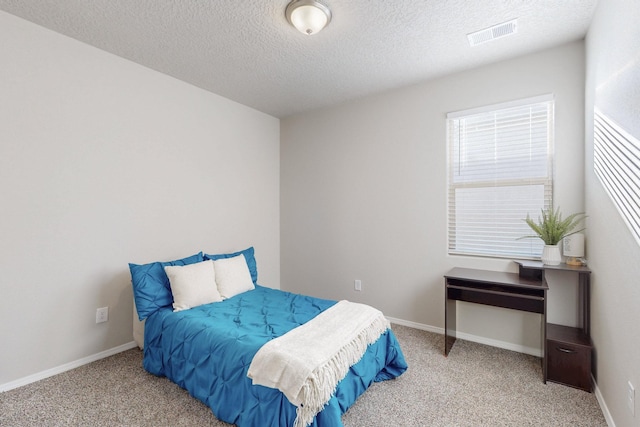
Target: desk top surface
x,y
537,265
494,277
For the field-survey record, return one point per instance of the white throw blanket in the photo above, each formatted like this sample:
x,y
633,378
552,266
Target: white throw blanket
x,y
308,362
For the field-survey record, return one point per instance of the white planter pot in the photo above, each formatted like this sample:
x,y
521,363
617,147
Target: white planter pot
x,y
551,255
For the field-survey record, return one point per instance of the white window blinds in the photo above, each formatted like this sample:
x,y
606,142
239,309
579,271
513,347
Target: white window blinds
x,y
616,161
500,170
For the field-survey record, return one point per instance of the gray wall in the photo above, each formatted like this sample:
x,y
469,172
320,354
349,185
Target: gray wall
x,y
104,162
363,194
613,85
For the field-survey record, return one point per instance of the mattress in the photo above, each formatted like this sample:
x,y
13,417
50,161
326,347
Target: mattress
x,y
207,350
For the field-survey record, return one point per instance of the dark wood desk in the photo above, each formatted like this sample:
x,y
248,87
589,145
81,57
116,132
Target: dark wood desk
x,y
498,289
570,361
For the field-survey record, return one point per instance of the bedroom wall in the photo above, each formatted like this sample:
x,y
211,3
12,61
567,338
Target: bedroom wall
x,y
363,195
613,85
104,162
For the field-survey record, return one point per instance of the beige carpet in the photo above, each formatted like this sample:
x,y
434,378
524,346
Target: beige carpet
x,y
475,386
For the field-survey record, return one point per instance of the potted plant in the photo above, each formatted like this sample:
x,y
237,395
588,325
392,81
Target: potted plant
x,y
552,228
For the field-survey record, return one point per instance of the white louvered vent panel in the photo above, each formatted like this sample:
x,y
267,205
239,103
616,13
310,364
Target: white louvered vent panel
x,y
492,33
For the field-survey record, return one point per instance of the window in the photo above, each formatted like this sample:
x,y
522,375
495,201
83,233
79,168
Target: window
x,y
500,170
616,161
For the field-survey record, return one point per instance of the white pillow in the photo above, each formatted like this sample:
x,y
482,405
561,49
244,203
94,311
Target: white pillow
x,y
192,285
232,276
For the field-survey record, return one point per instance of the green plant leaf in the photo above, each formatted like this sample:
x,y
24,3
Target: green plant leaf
x,y
551,228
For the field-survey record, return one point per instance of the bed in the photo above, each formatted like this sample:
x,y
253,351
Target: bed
x,y
208,349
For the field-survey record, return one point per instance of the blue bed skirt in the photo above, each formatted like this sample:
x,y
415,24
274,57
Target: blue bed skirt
x,y
207,350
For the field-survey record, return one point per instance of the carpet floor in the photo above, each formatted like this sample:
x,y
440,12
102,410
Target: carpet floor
x,y
476,385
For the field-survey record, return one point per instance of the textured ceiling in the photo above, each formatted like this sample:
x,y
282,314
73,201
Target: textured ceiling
x,y
245,50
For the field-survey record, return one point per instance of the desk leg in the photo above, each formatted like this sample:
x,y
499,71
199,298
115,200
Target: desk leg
x,y
585,301
449,321
545,349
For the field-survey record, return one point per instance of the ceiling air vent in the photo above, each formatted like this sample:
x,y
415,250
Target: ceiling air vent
x,y
492,33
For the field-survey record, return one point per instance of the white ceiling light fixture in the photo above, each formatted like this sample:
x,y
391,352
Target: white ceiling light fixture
x,y
308,16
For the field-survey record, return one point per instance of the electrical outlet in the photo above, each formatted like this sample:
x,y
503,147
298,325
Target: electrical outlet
x,y
102,314
357,285
631,398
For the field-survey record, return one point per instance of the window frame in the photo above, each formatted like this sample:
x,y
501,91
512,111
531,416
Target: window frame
x,y
531,248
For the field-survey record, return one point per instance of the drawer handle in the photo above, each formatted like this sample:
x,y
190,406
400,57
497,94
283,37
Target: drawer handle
x,y
565,350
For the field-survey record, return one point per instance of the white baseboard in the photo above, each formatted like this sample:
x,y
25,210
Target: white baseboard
x,y
533,351
415,325
603,405
469,337
66,367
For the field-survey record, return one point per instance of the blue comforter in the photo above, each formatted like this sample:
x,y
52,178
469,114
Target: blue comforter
x,y
208,349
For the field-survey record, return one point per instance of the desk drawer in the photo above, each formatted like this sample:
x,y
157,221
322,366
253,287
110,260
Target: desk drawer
x,y
497,297
569,364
